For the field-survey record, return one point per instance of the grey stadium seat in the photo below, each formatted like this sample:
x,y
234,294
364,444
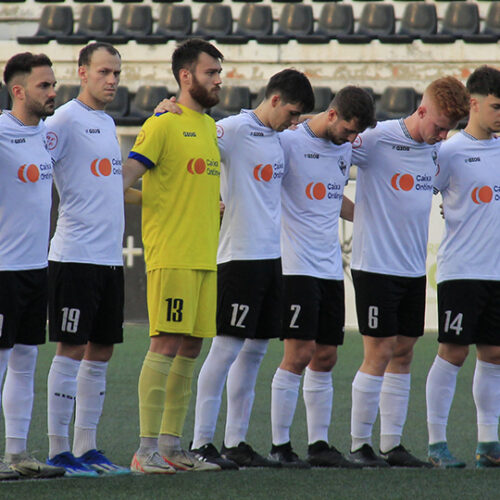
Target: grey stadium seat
x,y
175,22
135,21
254,21
95,21
143,104
397,102
296,20
214,20
232,100
56,20
65,93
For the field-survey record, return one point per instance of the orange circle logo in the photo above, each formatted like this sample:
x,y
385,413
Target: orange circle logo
x,y
404,182
263,173
196,166
315,191
101,167
482,195
30,173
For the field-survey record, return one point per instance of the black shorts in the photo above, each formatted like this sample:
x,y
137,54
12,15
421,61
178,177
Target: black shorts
x,y
469,312
85,303
249,299
389,305
23,307
313,309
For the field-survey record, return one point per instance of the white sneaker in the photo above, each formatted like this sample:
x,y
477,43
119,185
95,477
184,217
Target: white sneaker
x,y
185,460
150,464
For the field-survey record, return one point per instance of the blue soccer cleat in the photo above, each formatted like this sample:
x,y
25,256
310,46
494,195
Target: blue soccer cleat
x,y
440,456
488,455
97,461
73,466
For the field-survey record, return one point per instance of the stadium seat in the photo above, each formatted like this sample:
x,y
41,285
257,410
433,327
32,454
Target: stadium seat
x,y
118,108
11,1
88,1
254,21
174,23
460,19
55,20
135,21
65,93
397,102
296,20
4,98
322,98
214,20
335,19
232,101
95,21
207,1
491,29
143,104
419,19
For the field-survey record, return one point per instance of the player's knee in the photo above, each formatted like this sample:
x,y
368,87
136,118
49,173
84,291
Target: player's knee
x,y
454,354
324,359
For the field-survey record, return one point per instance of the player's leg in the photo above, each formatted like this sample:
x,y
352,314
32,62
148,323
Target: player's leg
x,y
261,292
459,307
6,472
486,383
395,392
193,310
107,330
18,390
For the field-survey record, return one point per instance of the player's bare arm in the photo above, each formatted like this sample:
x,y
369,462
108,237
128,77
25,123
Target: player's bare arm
x,y
133,170
347,209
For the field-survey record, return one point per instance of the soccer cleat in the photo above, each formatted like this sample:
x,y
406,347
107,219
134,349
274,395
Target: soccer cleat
x,y
319,454
7,472
245,456
208,452
27,466
73,467
401,457
150,464
185,460
366,457
488,455
287,457
96,460
439,456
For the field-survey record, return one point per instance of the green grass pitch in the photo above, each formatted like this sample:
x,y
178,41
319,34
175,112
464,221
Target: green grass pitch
x,y
119,430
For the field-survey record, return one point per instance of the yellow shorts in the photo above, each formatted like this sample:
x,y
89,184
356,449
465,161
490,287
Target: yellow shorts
x,y
182,301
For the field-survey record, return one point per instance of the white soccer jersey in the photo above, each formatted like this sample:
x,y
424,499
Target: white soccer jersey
x,y
25,195
469,180
393,200
88,176
251,173
316,171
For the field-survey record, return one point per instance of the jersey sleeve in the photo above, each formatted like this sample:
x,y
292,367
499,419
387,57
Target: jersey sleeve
x,y
150,141
362,146
226,132
284,139
57,131
442,177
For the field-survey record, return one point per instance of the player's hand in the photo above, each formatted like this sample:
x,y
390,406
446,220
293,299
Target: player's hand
x,y
168,105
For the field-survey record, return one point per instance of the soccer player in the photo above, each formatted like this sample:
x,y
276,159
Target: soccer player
x,y
317,161
85,263
468,274
25,194
178,158
397,161
249,266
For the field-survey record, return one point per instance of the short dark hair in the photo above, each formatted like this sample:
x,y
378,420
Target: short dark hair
x,y
186,54
485,80
23,64
355,102
85,55
293,87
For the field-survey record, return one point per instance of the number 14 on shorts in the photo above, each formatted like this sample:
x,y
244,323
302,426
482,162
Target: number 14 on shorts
x,y
453,323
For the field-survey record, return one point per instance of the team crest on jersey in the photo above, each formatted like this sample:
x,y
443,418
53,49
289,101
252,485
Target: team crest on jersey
x,y
435,156
140,138
220,131
51,141
342,165
358,142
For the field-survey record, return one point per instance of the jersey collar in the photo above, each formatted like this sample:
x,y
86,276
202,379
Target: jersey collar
x,y
404,129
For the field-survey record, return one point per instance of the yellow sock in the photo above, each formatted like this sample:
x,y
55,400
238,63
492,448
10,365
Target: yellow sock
x,y
178,395
152,388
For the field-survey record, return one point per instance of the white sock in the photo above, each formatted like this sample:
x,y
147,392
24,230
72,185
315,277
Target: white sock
x,y
61,393
439,392
365,400
211,380
4,362
284,395
90,393
168,443
18,395
318,398
486,392
241,390
394,397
